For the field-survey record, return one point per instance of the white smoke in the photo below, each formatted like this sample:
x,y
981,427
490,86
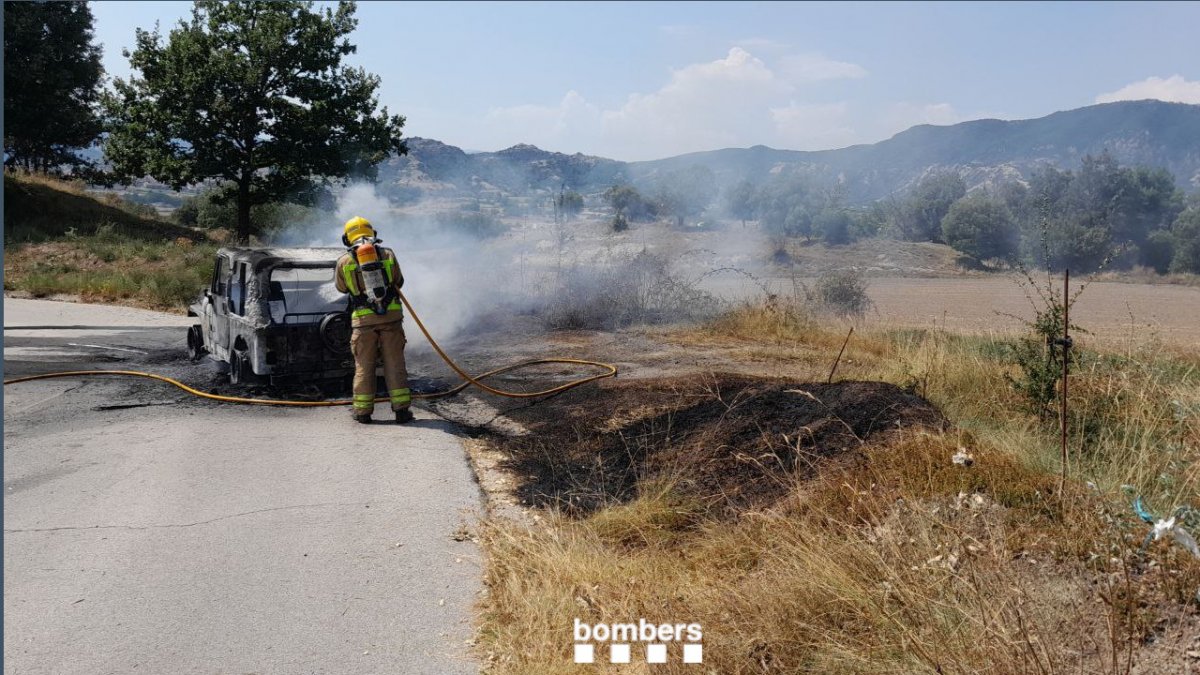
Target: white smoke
x,y
452,278
449,277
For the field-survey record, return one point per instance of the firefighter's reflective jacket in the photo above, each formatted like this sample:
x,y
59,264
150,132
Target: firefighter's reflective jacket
x,y
349,279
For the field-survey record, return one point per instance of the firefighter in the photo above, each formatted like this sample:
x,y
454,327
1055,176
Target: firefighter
x,y
371,276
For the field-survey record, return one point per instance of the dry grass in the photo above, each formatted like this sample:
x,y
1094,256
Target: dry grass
x,y
60,239
896,560
903,563
41,208
103,268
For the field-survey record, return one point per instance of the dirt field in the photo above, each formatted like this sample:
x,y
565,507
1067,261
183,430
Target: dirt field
x,y
1111,311
911,284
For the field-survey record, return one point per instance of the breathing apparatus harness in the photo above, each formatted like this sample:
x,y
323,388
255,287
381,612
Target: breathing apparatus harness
x,y
380,291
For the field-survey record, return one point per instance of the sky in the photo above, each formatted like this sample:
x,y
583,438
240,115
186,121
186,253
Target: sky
x,y
638,81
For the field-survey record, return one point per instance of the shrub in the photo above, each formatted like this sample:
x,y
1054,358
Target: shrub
x,y
1040,354
843,292
834,226
640,290
478,224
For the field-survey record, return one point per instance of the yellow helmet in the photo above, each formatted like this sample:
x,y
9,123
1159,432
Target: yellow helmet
x,y
356,228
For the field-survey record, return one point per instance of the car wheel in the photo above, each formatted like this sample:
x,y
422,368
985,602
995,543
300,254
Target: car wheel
x,y
195,343
334,330
240,371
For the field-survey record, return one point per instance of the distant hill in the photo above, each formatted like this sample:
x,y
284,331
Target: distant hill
x,y
435,167
1150,133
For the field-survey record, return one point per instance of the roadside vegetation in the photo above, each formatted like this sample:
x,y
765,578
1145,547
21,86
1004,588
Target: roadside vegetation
x,y
61,239
808,542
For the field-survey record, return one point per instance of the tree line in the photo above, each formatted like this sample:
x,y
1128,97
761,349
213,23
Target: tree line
x,y
1101,215
252,98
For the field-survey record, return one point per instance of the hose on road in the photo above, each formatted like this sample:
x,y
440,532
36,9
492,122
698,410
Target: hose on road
x,y
609,369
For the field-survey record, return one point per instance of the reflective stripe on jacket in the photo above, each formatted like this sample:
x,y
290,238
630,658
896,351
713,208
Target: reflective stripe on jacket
x,y
348,279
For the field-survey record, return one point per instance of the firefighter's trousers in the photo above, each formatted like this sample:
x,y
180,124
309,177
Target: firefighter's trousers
x,y
367,343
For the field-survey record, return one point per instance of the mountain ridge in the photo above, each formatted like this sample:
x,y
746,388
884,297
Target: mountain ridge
x,y
1151,133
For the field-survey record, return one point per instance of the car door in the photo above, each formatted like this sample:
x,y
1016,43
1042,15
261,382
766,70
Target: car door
x,y
219,308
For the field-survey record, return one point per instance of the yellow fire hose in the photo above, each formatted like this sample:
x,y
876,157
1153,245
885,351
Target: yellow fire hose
x,y
609,371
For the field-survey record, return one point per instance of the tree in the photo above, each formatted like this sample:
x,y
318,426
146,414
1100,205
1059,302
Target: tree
x,y
740,201
869,221
629,204
569,203
921,219
1080,242
834,226
255,94
1158,250
798,222
981,227
210,210
51,84
685,193
1186,235
787,204
1147,205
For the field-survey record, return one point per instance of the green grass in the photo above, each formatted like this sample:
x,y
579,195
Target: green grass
x,y
153,275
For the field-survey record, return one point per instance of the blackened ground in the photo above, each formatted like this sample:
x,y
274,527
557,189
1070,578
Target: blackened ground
x,y
317,390
729,441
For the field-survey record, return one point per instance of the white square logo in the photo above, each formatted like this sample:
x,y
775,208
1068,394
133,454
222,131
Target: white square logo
x,y
693,653
618,654
585,653
656,653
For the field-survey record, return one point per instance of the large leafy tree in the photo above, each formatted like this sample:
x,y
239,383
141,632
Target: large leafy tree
x,y
253,96
740,201
981,227
685,193
51,84
629,204
1186,231
921,218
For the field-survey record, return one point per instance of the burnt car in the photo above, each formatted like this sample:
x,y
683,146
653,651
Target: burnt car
x,y
274,314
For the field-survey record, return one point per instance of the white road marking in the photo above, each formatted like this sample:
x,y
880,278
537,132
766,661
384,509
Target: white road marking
x,y
120,349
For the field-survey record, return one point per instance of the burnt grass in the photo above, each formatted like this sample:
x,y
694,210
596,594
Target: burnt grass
x,y
726,442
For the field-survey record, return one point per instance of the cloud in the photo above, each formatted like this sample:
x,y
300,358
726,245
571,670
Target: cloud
x,y
815,68
572,122
1174,88
812,126
737,100
703,106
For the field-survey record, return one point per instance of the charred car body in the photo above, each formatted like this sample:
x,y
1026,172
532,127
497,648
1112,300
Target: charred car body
x,y
274,314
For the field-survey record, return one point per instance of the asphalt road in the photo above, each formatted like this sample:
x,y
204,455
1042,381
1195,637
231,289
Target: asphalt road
x,y
146,531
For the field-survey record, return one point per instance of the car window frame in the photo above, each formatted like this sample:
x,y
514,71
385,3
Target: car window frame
x,y
237,278
216,287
